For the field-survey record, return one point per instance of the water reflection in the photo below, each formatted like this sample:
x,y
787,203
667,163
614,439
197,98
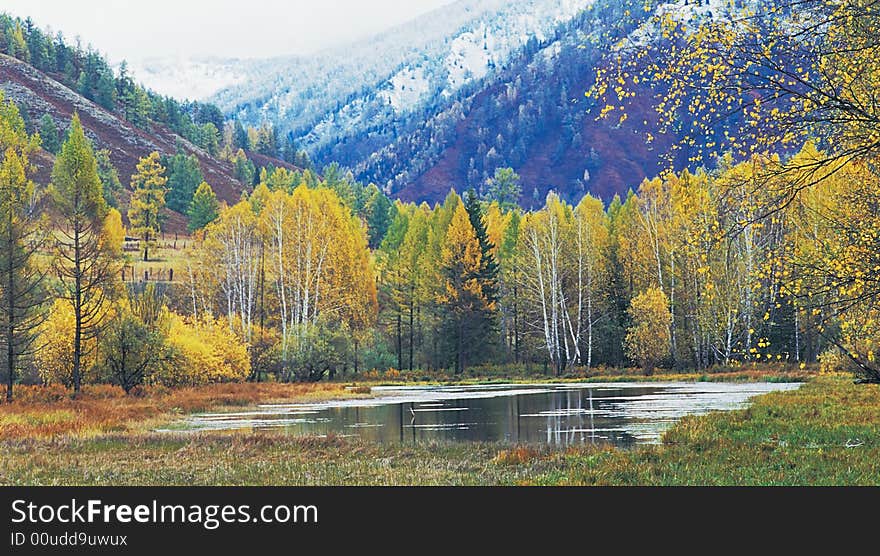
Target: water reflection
x,y
557,414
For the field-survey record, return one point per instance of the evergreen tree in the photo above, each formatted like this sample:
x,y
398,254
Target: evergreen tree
x,y
240,139
26,118
111,186
184,176
288,150
147,200
36,45
378,215
243,169
462,301
204,208
209,137
84,265
209,114
49,134
488,275
137,107
505,188
267,141
16,44
82,85
106,91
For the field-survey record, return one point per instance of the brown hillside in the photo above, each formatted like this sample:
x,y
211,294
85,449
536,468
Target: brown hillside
x,y
41,94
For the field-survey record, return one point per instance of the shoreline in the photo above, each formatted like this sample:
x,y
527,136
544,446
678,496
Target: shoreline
x,y
825,432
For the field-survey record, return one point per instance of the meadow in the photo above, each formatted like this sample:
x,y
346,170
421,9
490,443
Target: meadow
x,y
825,433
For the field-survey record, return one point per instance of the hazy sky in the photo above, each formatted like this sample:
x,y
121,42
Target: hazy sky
x,y
135,29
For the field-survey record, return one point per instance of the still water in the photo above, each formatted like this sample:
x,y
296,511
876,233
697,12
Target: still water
x,y
557,414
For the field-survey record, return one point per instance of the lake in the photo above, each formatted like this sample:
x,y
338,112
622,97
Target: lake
x,y
622,414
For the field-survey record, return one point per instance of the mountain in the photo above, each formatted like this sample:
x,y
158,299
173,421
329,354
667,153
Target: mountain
x,y
38,94
333,103
446,99
532,114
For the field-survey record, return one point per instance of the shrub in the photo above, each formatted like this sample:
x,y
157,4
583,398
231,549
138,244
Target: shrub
x,y
376,354
201,352
51,393
54,359
130,351
316,351
265,353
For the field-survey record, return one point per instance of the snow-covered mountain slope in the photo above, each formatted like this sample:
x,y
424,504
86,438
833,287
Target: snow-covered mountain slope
x,y
442,101
322,98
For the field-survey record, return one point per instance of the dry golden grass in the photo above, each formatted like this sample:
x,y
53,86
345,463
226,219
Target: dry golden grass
x,y
50,411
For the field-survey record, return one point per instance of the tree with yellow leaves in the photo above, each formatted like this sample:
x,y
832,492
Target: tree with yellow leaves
x,y
648,340
147,200
591,267
114,232
835,261
22,234
464,305
85,266
312,253
230,257
749,80
55,359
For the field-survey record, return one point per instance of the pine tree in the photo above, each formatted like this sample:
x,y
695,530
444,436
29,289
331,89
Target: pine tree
x,y
267,141
240,139
462,300
209,137
49,134
204,208
137,107
111,186
243,169
184,176
379,213
505,188
488,265
21,236
17,45
84,266
106,91
82,85
288,150
147,200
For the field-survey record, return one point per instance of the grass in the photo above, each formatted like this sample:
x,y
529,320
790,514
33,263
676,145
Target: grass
x,y
497,375
167,253
51,412
825,433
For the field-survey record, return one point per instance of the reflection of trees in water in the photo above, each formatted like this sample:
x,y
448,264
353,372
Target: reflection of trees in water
x,y
563,417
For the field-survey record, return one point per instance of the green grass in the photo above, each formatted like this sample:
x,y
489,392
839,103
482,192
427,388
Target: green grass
x,y
825,433
163,256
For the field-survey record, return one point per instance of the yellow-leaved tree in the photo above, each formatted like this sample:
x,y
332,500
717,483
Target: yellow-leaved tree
x,y
114,232
648,340
462,300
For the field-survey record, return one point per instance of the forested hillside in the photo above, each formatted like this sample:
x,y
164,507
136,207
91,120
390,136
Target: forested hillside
x,y
50,80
